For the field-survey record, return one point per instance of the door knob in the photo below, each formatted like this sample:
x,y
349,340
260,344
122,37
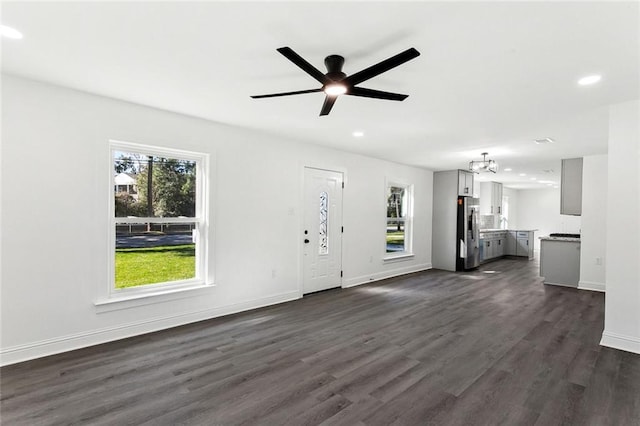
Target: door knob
x,y
306,241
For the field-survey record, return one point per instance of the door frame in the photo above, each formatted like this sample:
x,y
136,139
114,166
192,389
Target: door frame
x,y
301,203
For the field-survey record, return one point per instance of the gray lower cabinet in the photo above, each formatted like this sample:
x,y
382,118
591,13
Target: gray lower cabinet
x,y
560,262
493,244
511,243
522,247
507,243
524,243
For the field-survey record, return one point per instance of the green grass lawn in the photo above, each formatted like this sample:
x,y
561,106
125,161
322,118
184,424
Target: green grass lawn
x,y
395,237
395,241
140,266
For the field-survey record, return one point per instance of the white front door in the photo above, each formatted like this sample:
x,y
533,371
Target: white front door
x,y
322,234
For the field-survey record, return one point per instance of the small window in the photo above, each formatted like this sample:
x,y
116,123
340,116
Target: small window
x,y
158,221
399,216
504,219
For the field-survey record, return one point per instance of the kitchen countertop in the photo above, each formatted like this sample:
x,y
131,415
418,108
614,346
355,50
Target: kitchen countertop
x,y
515,230
570,239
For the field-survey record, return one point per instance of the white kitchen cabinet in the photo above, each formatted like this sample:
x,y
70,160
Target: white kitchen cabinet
x,y
465,183
571,187
497,197
485,198
490,198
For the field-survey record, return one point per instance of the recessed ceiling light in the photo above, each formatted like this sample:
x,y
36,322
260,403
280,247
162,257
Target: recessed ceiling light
x,y
522,174
544,141
358,134
555,186
507,169
10,32
549,184
590,79
532,178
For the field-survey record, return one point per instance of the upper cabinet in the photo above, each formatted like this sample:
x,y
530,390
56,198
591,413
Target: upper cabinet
x,y
497,197
490,198
571,187
465,183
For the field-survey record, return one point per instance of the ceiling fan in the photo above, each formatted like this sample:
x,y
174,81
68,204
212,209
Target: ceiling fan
x,y
336,83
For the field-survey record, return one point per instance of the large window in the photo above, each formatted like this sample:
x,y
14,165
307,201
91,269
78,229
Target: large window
x,y
399,216
158,210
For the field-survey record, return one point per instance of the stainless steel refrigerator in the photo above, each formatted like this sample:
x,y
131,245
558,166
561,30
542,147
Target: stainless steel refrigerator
x,y
468,234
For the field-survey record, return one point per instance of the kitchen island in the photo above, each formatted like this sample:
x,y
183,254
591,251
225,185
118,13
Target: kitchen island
x,y
560,260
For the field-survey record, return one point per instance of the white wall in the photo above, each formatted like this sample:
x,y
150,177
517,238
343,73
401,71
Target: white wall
x,y
55,189
540,209
513,206
622,304
594,226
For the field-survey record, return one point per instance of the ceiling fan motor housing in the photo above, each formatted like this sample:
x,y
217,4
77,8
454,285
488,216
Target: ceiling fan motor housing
x,y
334,65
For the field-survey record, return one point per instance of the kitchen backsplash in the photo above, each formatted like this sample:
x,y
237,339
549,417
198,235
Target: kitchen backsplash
x,y
488,221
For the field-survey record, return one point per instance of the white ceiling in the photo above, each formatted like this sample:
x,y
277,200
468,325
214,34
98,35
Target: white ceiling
x,y
491,76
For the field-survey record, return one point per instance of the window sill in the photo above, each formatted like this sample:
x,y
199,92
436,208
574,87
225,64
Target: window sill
x,y
133,300
398,257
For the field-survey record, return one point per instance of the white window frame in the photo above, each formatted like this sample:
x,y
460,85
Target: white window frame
x,y
408,220
200,220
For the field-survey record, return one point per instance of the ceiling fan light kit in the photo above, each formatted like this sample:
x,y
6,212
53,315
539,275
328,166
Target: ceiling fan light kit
x,y
335,89
336,83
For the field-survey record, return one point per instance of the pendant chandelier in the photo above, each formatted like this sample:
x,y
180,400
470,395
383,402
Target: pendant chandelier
x,y
483,165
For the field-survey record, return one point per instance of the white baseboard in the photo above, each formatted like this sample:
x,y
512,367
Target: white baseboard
x,y
592,286
352,282
67,343
619,341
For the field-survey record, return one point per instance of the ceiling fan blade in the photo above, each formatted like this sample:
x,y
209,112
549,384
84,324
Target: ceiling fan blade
x,y
378,94
303,64
298,92
381,67
328,104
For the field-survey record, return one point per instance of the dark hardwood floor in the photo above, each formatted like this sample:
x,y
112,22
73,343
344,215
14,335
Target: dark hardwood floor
x,y
493,346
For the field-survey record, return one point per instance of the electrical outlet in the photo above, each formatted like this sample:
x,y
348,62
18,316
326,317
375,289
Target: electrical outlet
x,y
273,273
370,259
599,261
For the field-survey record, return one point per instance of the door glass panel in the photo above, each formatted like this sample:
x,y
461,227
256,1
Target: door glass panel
x,y
323,242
